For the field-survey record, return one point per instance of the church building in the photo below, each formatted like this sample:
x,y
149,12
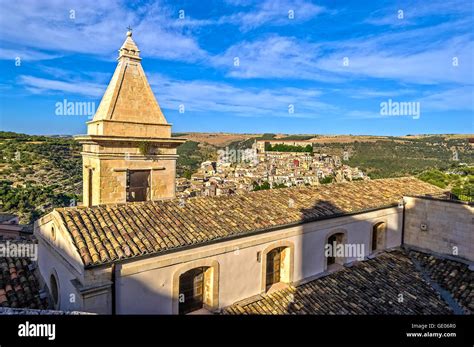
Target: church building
x,y
133,248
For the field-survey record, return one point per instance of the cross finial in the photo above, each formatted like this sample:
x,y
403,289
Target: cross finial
x,y
129,32
129,28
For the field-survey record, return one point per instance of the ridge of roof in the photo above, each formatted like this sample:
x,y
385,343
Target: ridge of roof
x,y
361,182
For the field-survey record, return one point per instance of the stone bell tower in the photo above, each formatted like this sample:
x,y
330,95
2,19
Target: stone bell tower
x,y
128,153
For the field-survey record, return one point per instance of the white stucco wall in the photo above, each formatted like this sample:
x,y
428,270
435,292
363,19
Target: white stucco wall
x,y
50,262
146,286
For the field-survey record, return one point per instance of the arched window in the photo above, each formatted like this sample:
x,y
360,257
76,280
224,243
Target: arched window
x,y
335,255
192,287
274,265
196,287
378,236
277,266
53,285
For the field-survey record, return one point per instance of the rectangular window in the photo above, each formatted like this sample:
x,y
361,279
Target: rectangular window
x,y
138,185
191,290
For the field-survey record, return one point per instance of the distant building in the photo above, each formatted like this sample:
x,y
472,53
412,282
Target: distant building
x,y
11,229
262,144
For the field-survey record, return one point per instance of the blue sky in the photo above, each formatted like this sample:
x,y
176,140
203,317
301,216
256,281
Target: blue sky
x,y
283,61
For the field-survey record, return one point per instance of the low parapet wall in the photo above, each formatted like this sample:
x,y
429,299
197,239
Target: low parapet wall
x,y
442,226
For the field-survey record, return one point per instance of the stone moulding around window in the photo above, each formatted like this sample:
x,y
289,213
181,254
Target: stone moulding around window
x,y
214,265
379,221
263,257
344,241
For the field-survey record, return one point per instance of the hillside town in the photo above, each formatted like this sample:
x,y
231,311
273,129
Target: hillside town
x,y
267,164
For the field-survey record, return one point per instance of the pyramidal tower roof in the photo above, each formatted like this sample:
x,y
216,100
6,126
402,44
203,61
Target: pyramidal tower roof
x,y
129,105
129,47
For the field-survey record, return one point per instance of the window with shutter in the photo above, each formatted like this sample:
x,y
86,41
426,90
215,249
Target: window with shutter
x,y
138,185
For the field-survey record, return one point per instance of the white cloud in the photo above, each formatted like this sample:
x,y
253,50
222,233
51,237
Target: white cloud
x,y
43,85
98,28
25,55
198,96
366,93
432,66
454,99
413,11
274,57
393,56
239,2
360,114
274,12
221,98
268,12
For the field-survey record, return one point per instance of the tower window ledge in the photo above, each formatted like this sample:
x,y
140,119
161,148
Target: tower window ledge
x,y
145,168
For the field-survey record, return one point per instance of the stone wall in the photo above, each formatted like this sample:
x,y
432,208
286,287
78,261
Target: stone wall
x,y
109,175
441,226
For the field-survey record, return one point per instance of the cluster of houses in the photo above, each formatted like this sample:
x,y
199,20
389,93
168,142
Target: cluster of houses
x,y
239,174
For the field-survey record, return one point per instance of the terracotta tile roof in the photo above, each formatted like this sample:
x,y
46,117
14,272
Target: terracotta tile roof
x,y
19,288
453,276
369,287
115,231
